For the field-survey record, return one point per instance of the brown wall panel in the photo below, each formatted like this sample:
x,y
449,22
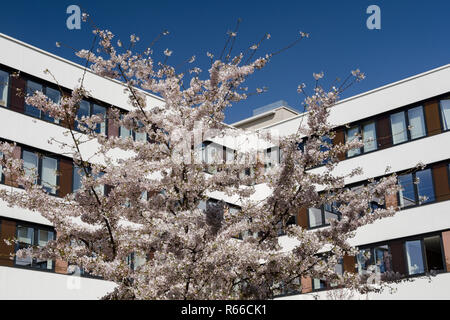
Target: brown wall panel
x,y
302,218
7,231
17,94
65,177
384,138
306,284
339,138
432,118
441,182
446,243
398,257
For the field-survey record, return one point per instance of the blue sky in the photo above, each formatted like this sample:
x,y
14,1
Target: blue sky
x,y
414,36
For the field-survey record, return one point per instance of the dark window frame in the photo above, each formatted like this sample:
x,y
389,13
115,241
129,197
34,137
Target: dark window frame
x,y
8,90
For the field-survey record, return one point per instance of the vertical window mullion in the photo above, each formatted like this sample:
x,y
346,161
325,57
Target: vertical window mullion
x,y
323,215
416,189
35,241
39,169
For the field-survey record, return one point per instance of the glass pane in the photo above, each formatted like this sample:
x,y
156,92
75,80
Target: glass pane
x,y
30,163
25,236
416,122
140,136
398,126
4,80
445,111
32,87
44,236
425,186
327,143
100,189
382,259
1,173
83,111
331,212
139,260
351,135
77,176
124,132
369,137
315,217
364,259
55,96
49,174
319,284
407,195
101,111
433,253
414,257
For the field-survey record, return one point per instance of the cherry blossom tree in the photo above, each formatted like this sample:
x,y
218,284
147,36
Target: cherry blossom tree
x,y
154,207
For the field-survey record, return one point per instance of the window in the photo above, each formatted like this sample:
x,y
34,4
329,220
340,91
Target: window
x,y
44,168
445,112
409,128
135,260
28,236
315,217
136,136
1,168
417,188
88,109
78,174
416,122
321,284
352,135
270,157
414,256
327,143
369,138
4,85
52,94
424,255
398,127
320,217
376,259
